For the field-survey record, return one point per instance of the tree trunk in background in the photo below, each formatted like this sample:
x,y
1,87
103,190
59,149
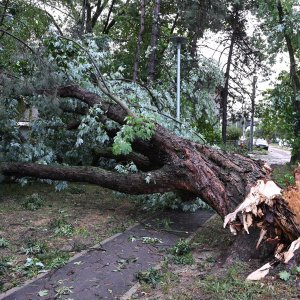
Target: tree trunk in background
x,y
154,39
139,41
224,92
106,24
83,17
295,84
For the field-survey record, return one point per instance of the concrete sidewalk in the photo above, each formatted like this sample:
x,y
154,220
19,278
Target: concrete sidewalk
x,y
108,270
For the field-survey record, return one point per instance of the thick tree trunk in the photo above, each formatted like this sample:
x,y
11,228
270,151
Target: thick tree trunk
x,y
154,40
295,83
139,42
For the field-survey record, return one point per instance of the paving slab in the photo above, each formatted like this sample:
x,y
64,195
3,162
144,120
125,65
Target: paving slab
x,y
108,270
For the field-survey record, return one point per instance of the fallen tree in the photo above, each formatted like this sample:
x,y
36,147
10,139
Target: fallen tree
x,y
238,188
221,179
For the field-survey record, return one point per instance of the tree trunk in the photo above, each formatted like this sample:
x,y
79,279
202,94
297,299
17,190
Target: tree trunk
x,y
153,44
105,31
252,112
295,84
139,42
225,89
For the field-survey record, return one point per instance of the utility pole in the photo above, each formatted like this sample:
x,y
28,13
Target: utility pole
x,y
252,111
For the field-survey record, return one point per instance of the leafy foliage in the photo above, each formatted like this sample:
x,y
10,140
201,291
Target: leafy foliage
x,y
33,202
182,254
136,128
151,277
3,242
276,110
284,275
233,133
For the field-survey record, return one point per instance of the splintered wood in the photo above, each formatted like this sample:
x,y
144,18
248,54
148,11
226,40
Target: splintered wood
x,y
277,213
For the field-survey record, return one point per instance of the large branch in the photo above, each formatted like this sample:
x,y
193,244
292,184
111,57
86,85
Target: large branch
x,y
133,183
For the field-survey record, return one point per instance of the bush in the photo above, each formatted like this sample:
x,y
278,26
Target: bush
x,y
233,133
3,243
33,202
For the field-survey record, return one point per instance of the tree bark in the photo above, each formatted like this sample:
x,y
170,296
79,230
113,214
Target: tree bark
x,y
108,16
154,40
139,42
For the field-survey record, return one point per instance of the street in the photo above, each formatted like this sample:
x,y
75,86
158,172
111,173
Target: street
x,y
275,156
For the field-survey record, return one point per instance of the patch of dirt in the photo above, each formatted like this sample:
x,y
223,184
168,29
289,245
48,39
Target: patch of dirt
x,y
67,222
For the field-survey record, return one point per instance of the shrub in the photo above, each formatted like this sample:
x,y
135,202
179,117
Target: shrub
x,y
3,243
33,202
233,133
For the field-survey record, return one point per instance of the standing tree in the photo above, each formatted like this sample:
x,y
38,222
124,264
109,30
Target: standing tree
x,y
280,23
139,41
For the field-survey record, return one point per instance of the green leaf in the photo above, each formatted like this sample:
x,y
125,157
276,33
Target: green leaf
x,y
43,293
284,275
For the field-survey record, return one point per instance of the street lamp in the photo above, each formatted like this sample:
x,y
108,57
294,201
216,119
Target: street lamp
x,y
178,40
254,81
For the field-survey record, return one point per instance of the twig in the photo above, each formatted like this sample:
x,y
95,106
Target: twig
x,y
18,39
104,88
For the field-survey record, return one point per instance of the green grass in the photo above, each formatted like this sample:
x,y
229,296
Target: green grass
x,y
48,226
283,175
232,285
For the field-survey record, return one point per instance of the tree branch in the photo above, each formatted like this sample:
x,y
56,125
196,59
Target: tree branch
x,y
104,88
18,39
141,161
134,183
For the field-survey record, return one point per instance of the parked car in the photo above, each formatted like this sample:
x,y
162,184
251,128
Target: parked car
x,y
261,143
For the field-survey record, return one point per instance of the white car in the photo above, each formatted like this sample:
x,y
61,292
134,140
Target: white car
x,y
261,143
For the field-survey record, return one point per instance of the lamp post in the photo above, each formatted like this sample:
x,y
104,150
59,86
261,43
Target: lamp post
x,y
178,40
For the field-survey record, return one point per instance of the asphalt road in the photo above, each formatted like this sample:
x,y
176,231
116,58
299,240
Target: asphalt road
x,y
275,156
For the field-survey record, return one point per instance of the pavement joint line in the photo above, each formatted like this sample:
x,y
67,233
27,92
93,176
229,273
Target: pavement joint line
x,y
133,289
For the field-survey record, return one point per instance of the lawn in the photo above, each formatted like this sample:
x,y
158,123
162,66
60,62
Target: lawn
x,y
40,228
